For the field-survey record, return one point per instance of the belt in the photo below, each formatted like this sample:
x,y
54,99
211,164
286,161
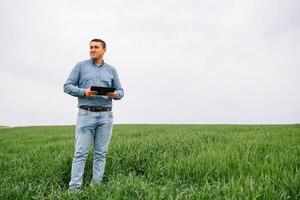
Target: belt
x,y
95,108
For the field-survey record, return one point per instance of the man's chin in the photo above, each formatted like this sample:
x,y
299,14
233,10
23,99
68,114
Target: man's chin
x,y
94,58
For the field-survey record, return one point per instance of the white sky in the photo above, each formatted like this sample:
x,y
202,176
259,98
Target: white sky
x,y
184,61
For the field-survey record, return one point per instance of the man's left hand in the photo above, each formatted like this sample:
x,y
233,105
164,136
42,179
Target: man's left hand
x,y
112,95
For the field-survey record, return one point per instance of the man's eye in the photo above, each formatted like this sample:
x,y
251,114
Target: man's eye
x,y
94,47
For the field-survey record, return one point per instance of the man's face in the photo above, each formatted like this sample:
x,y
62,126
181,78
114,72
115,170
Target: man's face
x,y
96,50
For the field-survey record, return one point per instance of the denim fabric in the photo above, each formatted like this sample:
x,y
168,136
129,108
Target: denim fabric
x,y
91,128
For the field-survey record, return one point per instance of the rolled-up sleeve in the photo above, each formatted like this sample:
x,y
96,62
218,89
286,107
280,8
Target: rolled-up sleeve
x,y
117,85
71,85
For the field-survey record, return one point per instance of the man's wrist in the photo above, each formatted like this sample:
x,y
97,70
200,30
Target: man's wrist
x,y
82,92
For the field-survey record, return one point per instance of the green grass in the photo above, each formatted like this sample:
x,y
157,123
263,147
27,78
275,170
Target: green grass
x,y
157,162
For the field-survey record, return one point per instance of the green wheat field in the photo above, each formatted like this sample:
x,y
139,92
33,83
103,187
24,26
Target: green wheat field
x,y
157,162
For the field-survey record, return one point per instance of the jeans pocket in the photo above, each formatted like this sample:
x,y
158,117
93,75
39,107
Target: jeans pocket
x,y
82,112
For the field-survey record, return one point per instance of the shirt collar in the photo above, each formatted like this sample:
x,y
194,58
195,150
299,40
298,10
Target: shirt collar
x,y
93,62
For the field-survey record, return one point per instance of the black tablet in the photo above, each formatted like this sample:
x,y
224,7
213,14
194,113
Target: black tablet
x,y
102,90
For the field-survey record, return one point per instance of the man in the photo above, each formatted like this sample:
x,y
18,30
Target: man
x,y
95,118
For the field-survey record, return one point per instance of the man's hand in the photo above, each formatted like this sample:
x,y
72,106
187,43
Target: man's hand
x,y
112,95
89,93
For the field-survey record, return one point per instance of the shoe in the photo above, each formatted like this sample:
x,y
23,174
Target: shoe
x,y
103,181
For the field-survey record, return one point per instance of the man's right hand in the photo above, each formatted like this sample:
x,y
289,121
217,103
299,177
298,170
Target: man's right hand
x,y
89,93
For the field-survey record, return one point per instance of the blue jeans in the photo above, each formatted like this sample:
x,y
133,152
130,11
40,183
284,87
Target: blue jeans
x,y
96,128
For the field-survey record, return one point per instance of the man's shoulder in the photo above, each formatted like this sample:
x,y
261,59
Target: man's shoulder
x,y
110,67
84,62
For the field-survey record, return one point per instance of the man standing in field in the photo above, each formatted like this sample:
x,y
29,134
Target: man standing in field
x,y
95,117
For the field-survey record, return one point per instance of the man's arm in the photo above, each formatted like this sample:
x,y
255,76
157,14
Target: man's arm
x,y
71,85
119,93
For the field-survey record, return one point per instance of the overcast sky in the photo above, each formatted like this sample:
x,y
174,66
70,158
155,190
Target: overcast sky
x,y
184,61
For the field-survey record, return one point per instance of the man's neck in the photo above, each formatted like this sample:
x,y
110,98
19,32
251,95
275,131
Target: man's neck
x,y
98,61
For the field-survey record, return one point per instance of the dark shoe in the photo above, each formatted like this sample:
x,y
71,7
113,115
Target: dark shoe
x,y
105,180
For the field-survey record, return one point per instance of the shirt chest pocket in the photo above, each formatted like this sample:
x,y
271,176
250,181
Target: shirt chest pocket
x,y
98,82
97,78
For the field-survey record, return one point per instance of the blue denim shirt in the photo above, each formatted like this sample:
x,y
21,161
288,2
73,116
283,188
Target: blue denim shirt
x,y
86,74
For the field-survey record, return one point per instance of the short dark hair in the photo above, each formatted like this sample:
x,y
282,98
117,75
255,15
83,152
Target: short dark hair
x,y
99,40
